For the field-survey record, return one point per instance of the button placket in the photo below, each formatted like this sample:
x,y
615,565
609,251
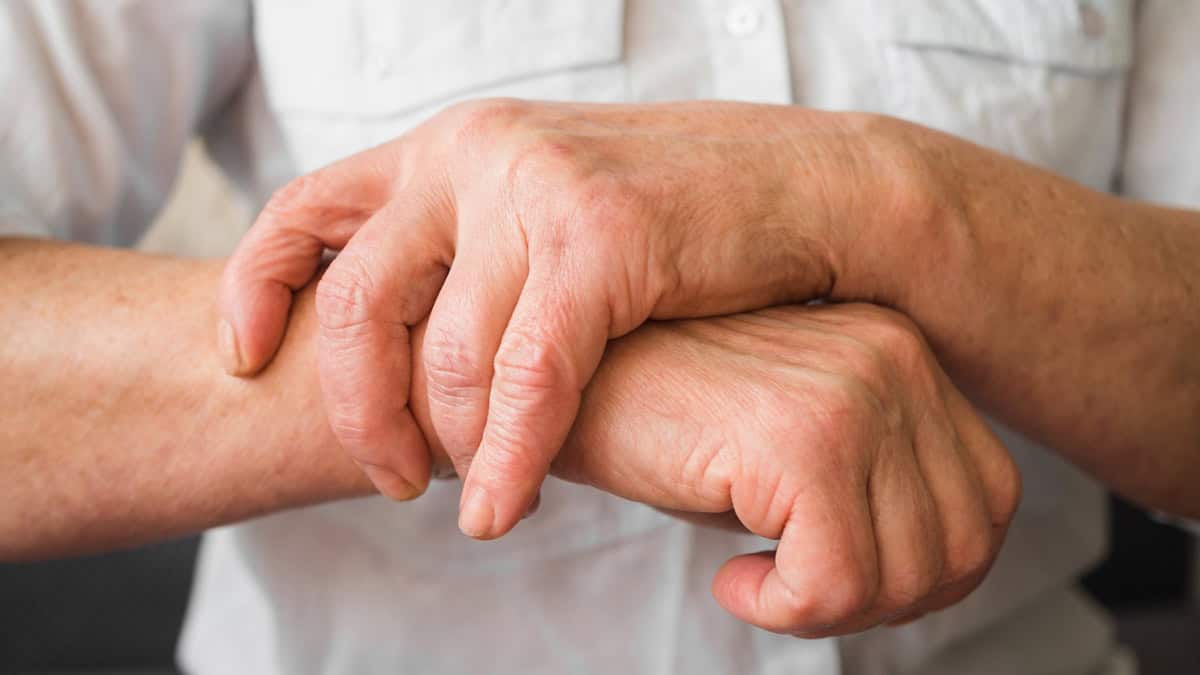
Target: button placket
x,y
750,62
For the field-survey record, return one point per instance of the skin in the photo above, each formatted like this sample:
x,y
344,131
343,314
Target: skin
x,y
538,285
119,427
531,233
829,428
887,493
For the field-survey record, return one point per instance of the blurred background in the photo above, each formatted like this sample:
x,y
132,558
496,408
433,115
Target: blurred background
x,y
121,613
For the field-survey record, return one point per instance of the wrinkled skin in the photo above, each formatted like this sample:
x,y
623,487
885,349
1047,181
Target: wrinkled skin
x,y
532,233
829,428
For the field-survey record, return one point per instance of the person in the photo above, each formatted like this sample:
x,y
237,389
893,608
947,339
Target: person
x,y
831,426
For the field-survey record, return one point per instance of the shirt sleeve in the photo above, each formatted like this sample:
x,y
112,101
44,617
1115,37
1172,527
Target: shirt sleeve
x,y
1162,139
101,98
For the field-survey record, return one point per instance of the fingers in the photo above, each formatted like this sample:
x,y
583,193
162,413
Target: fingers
x,y
549,350
968,542
464,332
909,537
383,281
992,464
283,249
919,540
418,404
992,472
824,570
925,559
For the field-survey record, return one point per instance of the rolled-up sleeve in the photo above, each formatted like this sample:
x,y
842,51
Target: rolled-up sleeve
x,y
101,98
1162,139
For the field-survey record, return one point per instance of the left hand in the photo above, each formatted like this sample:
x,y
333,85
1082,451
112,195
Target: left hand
x,y
548,229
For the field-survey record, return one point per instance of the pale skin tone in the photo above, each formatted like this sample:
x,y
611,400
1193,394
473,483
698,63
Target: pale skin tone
x,y
888,494
530,233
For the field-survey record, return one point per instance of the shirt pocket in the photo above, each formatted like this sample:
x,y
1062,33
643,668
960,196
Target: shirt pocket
x,y
342,76
1043,80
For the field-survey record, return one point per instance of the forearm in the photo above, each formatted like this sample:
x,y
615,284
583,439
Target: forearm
x,y
118,426
1070,314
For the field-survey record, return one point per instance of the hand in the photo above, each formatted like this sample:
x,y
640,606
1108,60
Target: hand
x,y
567,225
830,428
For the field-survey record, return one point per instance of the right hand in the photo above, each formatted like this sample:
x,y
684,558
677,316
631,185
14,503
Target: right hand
x,y
830,428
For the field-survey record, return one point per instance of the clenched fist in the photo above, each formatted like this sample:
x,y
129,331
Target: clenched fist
x,y
830,428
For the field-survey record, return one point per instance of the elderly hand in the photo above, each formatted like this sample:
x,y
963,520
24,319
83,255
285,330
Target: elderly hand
x,y
548,230
830,428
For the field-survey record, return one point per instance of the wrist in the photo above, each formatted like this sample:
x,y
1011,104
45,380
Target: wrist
x,y
275,432
903,226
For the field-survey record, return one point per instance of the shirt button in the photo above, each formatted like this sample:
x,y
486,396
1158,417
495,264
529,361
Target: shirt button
x,y
743,20
1091,20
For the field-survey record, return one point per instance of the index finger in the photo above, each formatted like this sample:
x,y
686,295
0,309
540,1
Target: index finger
x,y
282,250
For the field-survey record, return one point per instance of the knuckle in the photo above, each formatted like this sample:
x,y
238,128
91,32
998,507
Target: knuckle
x,y
453,371
346,295
967,554
480,119
909,587
527,369
871,365
765,508
848,598
897,342
293,195
709,467
832,603
541,159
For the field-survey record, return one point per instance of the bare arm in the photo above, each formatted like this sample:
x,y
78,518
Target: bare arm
x,y
117,425
1071,314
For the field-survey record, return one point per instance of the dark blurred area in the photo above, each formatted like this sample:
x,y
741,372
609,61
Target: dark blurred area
x,y
121,613
1149,582
115,613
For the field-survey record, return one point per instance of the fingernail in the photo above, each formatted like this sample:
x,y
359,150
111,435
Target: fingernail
x,y
475,514
389,483
231,358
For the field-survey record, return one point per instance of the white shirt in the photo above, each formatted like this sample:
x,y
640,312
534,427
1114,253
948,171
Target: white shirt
x,y
101,98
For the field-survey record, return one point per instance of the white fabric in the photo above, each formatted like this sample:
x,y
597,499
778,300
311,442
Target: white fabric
x,y
99,101
102,96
